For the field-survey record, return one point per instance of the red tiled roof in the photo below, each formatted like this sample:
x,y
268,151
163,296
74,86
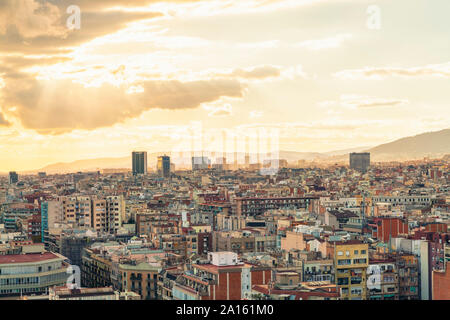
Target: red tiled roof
x,y
26,258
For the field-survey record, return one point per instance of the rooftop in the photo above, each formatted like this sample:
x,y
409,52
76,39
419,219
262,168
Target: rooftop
x,y
27,258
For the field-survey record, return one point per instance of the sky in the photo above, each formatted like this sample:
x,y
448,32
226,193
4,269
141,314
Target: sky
x,y
82,79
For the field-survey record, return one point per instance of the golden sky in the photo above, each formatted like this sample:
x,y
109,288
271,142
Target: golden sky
x,y
141,74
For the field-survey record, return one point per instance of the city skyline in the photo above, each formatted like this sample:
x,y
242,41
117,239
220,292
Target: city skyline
x,y
433,145
328,75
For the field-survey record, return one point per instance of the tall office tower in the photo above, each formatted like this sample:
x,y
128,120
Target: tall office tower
x,y
13,177
163,166
360,161
139,162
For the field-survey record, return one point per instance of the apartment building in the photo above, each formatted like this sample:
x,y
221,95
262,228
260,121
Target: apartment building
x,y
408,274
351,259
242,242
258,206
223,278
95,269
386,228
33,271
318,270
382,280
404,200
441,279
294,290
131,275
104,214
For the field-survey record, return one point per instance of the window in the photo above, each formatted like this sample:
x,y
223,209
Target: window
x,y
355,252
344,261
356,291
358,261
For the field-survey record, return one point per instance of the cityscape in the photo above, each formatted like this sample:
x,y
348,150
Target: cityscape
x,y
259,154
361,231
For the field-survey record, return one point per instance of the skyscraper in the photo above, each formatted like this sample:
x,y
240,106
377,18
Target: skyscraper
x,y
13,177
163,166
360,161
139,160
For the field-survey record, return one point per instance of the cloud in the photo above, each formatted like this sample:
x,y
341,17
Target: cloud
x,y
319,44
257,72
373,73
218,109
62,106
224,111
39,27
252,73
3,121
357,101
31,18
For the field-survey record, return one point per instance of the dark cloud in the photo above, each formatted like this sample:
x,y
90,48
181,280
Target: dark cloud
x,y
61,106
39,27
93,25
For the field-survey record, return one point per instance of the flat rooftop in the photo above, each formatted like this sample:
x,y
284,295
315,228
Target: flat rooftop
x,y
27,258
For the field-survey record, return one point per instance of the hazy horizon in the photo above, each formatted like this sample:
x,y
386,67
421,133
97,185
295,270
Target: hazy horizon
x,y
316,75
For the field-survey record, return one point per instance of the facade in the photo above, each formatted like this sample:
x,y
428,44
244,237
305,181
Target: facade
x,y
229,279
51,213
140,278
240,243
95,269
421,201
408,276
387,228
441,279
296,291
318,270
103,214
77,210
382,280
360,161
13,177
31,273
139,163
11,213
351,259
163,166
258,206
